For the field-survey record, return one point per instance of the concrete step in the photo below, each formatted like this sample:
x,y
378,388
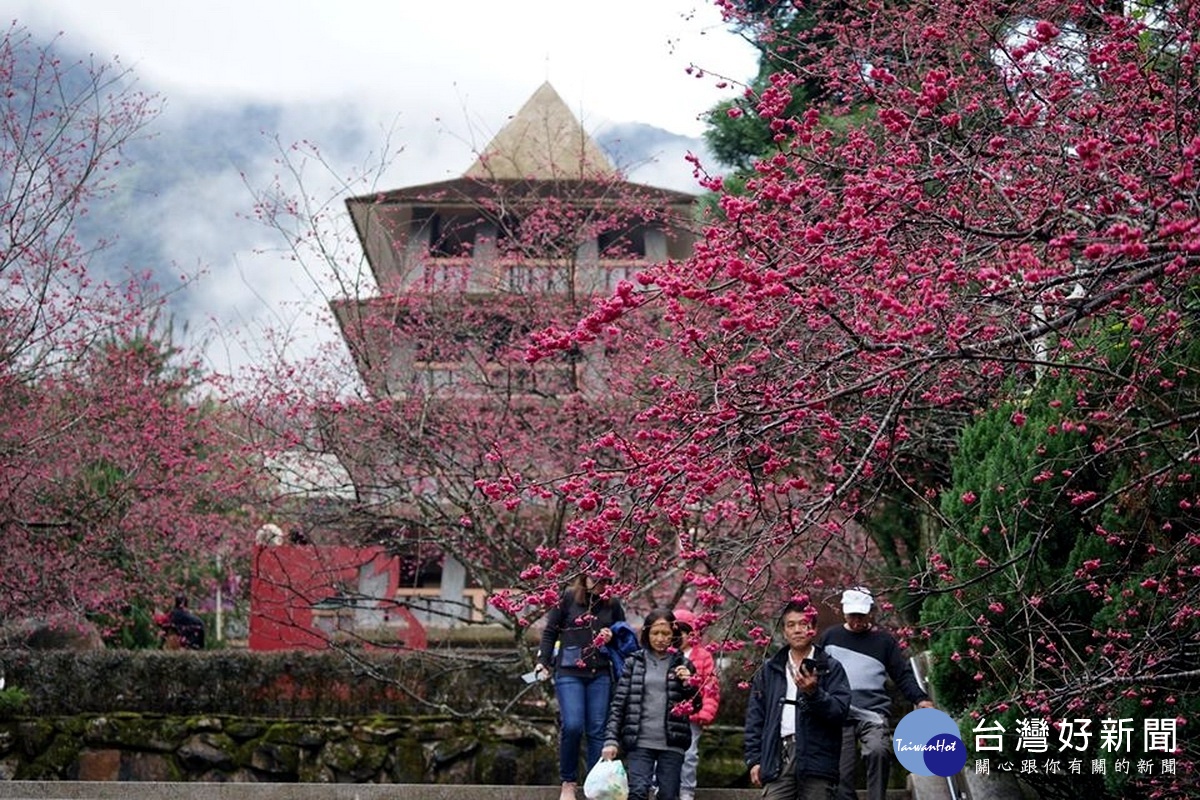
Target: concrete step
x,y
93,790
928,788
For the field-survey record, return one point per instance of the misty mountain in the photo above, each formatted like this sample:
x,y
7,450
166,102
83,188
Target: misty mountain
x,y
652,155
180,207
166,190
163,173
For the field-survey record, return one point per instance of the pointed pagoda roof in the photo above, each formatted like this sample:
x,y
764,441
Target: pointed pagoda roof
x,y
543,141
543,145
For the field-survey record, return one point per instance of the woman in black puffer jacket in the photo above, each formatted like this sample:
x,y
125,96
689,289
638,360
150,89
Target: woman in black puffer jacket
x,y
650,714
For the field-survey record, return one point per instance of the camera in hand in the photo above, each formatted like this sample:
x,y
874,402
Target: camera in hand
x,y
810,666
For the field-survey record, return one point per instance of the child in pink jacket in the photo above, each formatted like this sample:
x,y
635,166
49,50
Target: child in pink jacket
x,y
710,692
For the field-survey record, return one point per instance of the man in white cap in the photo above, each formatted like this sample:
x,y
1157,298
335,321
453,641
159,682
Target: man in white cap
x,y
870,656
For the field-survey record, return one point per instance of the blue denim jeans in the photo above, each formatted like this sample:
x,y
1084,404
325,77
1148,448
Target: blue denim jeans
x,y
648,768
583,711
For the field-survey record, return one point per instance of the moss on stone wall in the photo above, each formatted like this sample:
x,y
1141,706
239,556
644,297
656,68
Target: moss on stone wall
x,y
311,733
373,750
378,749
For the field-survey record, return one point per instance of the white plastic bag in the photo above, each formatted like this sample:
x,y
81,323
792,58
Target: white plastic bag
x,y
607,781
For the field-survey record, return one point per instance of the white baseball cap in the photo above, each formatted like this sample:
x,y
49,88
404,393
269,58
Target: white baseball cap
x,y
857,600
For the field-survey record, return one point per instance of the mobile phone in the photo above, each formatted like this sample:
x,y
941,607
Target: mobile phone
x,y
809,665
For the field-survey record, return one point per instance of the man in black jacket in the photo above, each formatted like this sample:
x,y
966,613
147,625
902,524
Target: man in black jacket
x,y
798,703
186,625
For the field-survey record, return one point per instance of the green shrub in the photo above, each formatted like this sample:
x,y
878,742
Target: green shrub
x,y
13,701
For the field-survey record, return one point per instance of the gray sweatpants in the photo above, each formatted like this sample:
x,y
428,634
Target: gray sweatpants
x,y
877,755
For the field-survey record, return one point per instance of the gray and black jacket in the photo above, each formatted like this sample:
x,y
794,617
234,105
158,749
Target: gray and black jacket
x,y
870,658
625,717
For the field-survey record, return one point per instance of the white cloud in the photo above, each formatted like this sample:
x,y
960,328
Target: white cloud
x,y
444,77
617,60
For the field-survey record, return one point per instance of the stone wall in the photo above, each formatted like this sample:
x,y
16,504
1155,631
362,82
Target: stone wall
x,y
143,747
297,717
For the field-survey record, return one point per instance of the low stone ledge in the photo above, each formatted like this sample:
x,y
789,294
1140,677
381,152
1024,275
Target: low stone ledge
x,y
149,790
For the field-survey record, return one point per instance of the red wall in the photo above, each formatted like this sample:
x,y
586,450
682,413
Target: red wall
x,y
286,581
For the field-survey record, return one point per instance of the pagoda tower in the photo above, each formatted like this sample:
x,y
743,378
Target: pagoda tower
x,y
468,240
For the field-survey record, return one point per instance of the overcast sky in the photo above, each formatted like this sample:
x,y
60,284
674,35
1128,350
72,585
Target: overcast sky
x,y
442,77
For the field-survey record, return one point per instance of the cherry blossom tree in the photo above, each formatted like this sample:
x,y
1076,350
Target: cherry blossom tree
x,y
460,441
118,482
456,443
1003,214
1012,205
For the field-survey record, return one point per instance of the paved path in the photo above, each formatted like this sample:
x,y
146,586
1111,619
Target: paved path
x,y
97,790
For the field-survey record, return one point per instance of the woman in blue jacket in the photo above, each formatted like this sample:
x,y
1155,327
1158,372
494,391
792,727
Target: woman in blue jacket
x,y
650,717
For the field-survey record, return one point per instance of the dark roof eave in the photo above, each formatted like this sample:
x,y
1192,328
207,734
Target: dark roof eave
x,y
464,190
